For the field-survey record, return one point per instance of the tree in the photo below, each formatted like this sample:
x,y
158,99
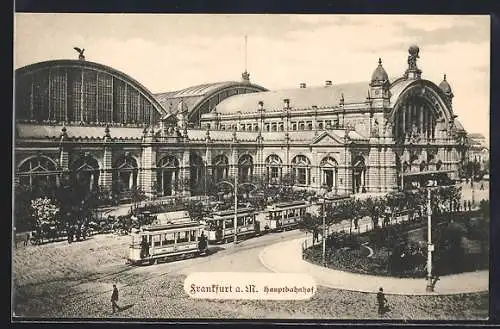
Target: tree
x,y
310,223
22,201
44,213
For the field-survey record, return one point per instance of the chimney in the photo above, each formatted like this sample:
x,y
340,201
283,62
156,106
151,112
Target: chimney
x,y
302,85
328,83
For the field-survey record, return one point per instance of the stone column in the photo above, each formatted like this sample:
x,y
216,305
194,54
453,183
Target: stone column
x,y
186,173
148,170
372,166
106,175
345,172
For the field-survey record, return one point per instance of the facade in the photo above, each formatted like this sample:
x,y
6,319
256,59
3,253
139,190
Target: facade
x,y
478,150
100,127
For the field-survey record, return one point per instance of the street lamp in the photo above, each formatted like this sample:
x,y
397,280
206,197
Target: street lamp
x,y
323,201
236,208
430,246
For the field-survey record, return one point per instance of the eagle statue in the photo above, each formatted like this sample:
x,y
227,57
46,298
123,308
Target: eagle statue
x,y
80,53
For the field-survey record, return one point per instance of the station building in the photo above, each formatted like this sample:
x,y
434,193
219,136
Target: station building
x,y
97,126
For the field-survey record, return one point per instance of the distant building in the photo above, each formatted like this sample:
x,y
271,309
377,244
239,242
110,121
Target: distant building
x,y
98,126
478,150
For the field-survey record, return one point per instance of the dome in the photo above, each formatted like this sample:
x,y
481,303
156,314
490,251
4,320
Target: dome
x,y
445,86
380,75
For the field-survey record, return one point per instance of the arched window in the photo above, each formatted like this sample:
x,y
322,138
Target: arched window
x,y
359,173
167,175
301,170
38,171
245,168
329,173
274,168
220,167
197,173
126,172
85,171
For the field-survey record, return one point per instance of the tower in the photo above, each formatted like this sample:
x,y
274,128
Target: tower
x,y
446,88
379,87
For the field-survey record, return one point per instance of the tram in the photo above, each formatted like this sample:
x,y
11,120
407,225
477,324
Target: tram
x,y
220,225
285,215
163,242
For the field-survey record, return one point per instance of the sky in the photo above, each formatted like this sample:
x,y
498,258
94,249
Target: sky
x,y
169,52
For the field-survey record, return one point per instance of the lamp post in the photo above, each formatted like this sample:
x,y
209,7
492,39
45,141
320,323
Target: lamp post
x,y
236,208
430,246
323,235
323,238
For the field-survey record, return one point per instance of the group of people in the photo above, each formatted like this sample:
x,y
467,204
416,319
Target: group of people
x,y
77,231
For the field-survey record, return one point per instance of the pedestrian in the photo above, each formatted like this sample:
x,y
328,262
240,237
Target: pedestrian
x,y
469,204
114,299
381,300
465,205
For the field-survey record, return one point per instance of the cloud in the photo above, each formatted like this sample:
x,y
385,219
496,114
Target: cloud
x,y
171,52
440,32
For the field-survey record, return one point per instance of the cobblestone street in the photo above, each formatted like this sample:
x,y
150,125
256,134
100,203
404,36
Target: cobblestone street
x,y
78,283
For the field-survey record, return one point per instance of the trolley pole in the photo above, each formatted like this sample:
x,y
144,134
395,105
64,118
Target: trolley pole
x,y
236,207
430,246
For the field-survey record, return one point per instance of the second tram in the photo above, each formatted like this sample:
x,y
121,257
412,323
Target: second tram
x,y
285,216
220,225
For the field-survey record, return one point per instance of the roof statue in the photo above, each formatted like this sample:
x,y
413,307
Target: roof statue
x,y
80,53
412,58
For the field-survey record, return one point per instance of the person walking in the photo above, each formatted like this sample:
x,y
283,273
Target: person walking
x,y
381,300
114,299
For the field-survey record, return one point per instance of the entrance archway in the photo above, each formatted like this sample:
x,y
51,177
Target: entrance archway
x,y
197,174
167,175
220,167
358,175
126,172
274,169
245,168
86,173
329,173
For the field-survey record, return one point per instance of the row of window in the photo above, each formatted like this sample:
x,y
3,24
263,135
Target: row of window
x,y
279,126
172,238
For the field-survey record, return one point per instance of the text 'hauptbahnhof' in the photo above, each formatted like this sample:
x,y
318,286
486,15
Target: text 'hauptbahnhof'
x,y
80,119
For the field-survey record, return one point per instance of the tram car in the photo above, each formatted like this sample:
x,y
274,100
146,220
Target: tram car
x,y
163,242
220,225
285,215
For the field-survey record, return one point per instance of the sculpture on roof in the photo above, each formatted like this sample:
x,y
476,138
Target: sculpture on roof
x,y
412,58
80,53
